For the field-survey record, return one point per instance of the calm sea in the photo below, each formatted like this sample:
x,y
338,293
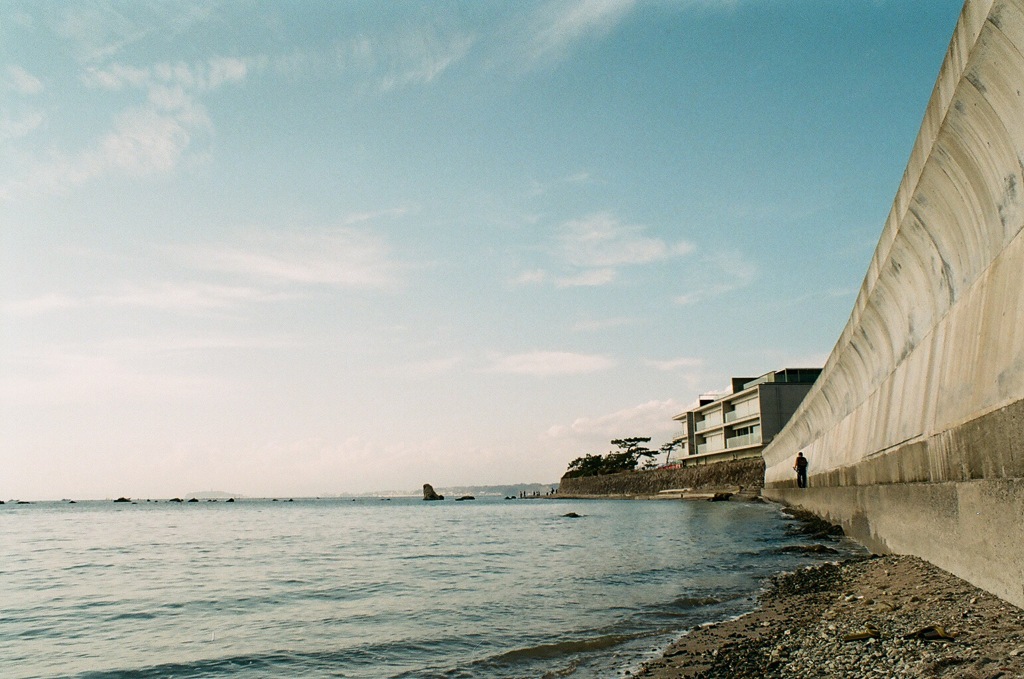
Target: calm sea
x,y
371,588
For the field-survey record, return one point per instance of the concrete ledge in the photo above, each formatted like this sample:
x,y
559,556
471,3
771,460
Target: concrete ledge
x,y
989,447
955,525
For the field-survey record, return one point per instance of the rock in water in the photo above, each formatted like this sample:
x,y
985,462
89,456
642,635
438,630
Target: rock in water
x,y
429,494
807,549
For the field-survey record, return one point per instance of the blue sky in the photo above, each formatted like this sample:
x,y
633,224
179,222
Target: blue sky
x,y
303,248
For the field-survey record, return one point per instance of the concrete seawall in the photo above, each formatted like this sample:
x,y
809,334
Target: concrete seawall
x,y
915,429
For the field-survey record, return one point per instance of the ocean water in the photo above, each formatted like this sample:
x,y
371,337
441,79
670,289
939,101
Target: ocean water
x,y
369,588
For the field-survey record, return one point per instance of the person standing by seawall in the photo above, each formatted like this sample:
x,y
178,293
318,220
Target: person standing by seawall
x,y
801,470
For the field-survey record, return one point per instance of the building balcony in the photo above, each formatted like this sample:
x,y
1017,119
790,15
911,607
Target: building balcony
x,y
711,423
735,416
744,440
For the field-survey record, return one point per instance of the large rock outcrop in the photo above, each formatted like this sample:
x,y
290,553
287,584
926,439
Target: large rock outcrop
x,y
429,494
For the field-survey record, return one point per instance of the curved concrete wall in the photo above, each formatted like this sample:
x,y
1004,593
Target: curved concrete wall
x,y
915,429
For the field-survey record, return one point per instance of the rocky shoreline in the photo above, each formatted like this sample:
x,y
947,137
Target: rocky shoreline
x,y
889,616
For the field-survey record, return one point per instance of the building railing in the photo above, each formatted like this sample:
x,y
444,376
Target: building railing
x,y
743,410
744,440
709,423
703,448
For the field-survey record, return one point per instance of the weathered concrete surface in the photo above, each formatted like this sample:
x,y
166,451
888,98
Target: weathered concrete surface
x,y
915,430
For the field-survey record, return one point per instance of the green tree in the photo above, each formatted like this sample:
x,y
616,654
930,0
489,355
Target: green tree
x,y
633,448
670,447
626,458
591,465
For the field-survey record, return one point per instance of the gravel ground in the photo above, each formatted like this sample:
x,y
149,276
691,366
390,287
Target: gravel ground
x,y
891,616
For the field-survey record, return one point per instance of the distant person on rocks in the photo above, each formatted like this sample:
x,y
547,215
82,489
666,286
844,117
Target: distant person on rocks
x,y
801,470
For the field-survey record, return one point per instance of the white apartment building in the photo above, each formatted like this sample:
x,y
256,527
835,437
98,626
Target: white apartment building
x,y
740,422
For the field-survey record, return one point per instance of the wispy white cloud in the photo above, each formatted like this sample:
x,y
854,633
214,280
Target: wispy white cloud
x,y
434,366
597,325
38,305
413,56
147,138
601,240
548,363
530,277
824,294
167,296
166,343
591,251
674,364
185,296
117,77
652,418
222,70
581,178
562,24
98,31
200,76
144,141
127,369
588,279
21,81
422,61
67,375
260,268
18,116
372,215
340,257
16,126
721,273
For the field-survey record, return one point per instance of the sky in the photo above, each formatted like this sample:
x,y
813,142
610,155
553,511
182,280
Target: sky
x,y
325,247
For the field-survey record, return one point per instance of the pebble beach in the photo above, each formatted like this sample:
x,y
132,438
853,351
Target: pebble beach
x,y
889,616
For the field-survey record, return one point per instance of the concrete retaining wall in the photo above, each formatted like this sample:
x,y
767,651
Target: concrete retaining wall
x,y
915,430
722,475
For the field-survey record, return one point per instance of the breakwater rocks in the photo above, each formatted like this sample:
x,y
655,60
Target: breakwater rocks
x,y
748,474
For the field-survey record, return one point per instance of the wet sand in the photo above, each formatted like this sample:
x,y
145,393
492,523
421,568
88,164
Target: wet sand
x,y
892,616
